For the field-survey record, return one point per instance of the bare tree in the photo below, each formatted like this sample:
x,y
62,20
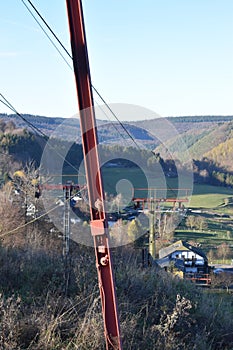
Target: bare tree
x,y
116,203
223,251
26,180
201,223
118,233
223,279
211,255
169,224
191,221
11,215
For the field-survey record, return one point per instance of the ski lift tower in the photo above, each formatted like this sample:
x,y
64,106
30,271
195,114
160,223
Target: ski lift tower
x,y
99,224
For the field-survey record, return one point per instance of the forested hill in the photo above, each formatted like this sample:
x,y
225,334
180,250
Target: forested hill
x,y
112,132
205,136
69,128
183,124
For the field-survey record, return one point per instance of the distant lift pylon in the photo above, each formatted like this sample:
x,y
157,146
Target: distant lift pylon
x,y
99,224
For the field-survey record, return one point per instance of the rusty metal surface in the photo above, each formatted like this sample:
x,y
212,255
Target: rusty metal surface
x,y
94,180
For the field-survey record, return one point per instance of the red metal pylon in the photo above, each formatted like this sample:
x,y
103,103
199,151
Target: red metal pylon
x,y
99,224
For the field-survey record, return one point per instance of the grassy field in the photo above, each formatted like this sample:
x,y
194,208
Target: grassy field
x,y
206,196
203,196
212,201
210,238
112,176
219,230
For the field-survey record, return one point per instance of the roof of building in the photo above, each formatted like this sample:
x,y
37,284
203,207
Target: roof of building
x,y
180,246
166,261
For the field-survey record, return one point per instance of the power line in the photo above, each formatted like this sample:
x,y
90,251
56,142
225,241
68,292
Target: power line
x,y
36,130
48,37
27,223
113,125
66,51
47,25
69,55
33,220
96,91
115,116
11,107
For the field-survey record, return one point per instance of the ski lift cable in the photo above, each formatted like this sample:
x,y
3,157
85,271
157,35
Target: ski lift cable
x,y
33,220
95,90
36,130
66,51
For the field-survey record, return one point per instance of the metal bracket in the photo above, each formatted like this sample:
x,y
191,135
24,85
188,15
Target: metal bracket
x,y
97,227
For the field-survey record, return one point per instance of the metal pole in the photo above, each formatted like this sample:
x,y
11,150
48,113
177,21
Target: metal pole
x,y
99,224
152,232
66,236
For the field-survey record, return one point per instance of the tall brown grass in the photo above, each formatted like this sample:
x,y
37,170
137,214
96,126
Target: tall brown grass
x,y
157,311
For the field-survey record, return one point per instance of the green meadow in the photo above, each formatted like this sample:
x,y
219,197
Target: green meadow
x,y
206,196
200,196
213,203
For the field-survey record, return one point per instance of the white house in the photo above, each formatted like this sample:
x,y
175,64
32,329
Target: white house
x,y
185,257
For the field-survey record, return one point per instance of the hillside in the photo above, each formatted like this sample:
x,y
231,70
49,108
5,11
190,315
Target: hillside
x,y
222,154
199,142
218,134
201,135
42,308
183,124
176,146
49,301
69,129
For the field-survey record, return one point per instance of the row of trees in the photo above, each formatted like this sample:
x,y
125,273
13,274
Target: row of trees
x,y
223,252
207,171
27,146
123,232
196,222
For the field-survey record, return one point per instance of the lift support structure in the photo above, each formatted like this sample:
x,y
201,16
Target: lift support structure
x,y
99,224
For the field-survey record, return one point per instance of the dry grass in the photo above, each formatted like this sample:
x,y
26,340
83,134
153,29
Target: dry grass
x,y
156,310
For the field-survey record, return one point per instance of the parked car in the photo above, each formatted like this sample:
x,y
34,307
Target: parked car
x,y
218,271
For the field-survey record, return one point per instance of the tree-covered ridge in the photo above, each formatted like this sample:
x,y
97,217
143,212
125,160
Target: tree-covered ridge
x,y
208,142
201,143
144,130
183,124
69,128
222,154
218,134
175,147
201,119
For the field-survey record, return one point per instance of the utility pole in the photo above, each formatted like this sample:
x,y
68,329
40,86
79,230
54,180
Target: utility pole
x,y
151,255
66,220
99,224
67,189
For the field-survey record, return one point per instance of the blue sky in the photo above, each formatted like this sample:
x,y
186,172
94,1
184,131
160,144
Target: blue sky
x,y
174,57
